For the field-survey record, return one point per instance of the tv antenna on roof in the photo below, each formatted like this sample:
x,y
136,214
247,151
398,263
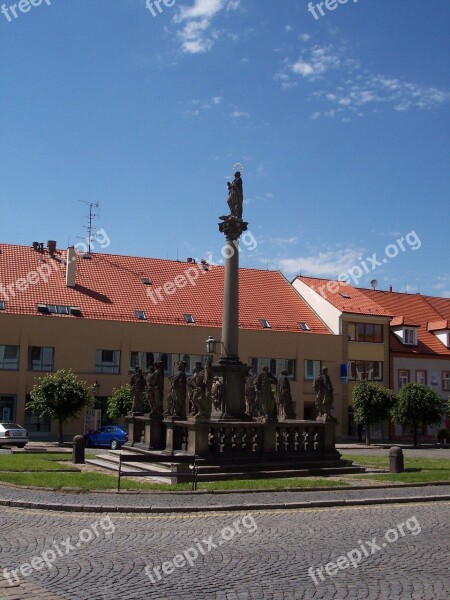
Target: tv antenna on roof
x,y
374,284
92,214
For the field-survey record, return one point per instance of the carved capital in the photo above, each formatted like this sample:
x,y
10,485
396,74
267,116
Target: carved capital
x,y
232,227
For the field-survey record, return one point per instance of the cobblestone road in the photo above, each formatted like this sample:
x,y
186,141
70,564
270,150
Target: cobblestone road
x,y
267,558
125,500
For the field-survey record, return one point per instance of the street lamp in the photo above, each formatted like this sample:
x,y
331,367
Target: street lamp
x,y
211,345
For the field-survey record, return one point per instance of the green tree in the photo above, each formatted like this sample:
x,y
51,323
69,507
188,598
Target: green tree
x,y
415,404
371,404
60,395
120,402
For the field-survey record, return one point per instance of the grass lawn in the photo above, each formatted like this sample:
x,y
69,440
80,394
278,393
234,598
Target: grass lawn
x,y
99,481
417,470
45,470
36,462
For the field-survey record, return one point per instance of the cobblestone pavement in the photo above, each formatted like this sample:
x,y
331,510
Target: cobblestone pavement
x,y
267,557
54,499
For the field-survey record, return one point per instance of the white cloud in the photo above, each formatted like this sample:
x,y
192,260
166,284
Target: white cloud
x,y
340,80
327,264
304,37
237,114
196,33
320,60
302,68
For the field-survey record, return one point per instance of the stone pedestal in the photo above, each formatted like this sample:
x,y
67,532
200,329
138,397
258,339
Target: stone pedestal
x,y
233,377
198,439
329,447
154,437
176,436
136,425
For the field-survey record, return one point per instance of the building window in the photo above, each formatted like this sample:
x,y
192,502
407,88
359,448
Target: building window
x,y
446,381
365,332
2,305
140,315
421,377
9,358
304,326
37,423
410,336
312,369
403,377
265,324
7,407
189,318
365,369
107,361
143,360
276,365
40,358
189,359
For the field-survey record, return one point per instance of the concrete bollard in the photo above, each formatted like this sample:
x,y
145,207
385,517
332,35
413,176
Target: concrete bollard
x,y
78,450
396,462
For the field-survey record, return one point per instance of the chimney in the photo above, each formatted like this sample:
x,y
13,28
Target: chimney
x,y
51,245
71,267
390,288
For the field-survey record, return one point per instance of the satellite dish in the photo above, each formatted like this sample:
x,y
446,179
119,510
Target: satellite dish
x,y
374,283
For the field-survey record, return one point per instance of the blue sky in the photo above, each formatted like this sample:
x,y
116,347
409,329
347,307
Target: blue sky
x,y
340,122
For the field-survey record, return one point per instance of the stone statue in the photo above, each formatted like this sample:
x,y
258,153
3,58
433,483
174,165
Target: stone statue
x,y
284,397
236,196
177,395
250,396
324,398
264,393
197,392
217,394
137,383
160,387
152,390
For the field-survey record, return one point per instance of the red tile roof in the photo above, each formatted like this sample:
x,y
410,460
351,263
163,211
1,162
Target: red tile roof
x,y
344,297
418,309
109,287
438,325
402,320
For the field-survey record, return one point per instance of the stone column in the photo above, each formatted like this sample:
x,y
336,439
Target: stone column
x,y
233,371
230,321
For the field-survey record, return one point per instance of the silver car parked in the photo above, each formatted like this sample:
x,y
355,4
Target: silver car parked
x,y
12,434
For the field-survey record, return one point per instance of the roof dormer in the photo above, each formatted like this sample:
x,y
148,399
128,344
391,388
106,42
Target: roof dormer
x,y
405,329
441,329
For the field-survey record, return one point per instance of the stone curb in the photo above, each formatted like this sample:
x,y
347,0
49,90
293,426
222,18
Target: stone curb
x,y
221,508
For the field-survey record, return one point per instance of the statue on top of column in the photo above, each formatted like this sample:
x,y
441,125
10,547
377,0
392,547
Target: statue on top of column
x,y
236,196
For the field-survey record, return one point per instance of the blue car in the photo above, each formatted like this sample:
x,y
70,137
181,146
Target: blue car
x,y
111,436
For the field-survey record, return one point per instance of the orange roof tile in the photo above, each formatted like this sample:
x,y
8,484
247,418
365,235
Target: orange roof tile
x,y
418,309
438,325
344,297
109,287
402,320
